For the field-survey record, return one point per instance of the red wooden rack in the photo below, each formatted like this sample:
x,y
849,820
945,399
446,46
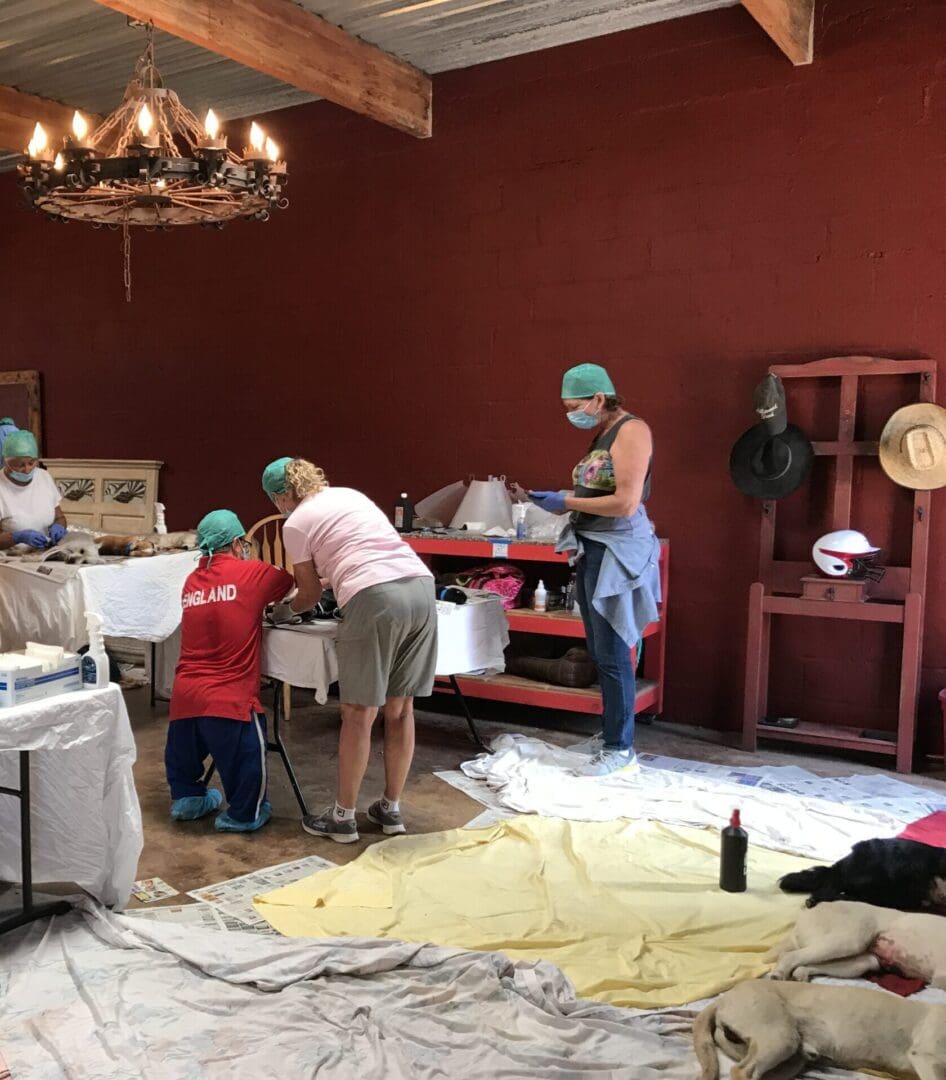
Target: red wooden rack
x,y
897,599
514,688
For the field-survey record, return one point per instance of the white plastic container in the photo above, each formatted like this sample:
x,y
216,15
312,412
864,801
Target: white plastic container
x,y
160,526
95,661
540,597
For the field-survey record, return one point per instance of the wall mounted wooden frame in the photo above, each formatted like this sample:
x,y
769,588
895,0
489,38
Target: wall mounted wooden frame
x,y
21,399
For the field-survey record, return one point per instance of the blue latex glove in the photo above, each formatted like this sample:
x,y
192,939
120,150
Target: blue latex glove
x,y
551,501
56,532
32,537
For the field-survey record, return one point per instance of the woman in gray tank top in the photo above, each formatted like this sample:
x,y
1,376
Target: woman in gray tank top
x,y
614,549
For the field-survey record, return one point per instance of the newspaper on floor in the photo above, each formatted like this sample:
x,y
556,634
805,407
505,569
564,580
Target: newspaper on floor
x,y
784,807
153,888
197,914
234,898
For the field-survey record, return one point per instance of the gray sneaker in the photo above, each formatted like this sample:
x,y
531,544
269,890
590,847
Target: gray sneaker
x,y
324,824
605,762
389,820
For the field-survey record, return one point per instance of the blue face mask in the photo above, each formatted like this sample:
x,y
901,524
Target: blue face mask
x,y
581,419
22,477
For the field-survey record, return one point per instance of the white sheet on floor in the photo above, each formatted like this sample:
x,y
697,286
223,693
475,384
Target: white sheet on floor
x,y
784,808
110,997
86,822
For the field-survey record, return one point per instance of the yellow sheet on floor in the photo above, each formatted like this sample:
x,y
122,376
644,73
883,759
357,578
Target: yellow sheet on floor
x,y
630,911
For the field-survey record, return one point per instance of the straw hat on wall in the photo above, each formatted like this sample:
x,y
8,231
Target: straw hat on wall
x,y
913,447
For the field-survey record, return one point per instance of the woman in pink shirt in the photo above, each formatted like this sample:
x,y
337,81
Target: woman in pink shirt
x,y
387,640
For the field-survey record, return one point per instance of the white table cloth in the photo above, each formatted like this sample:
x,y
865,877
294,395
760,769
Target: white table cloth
x,y
86,821
136,598
471,637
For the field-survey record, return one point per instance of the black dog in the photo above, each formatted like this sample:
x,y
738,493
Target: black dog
x,y
901,874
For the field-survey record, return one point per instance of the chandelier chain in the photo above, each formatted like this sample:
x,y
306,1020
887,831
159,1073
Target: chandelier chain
x,y
126,257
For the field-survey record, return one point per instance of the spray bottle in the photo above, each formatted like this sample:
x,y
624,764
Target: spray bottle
x,y
519,519
732,856
160,526
95,661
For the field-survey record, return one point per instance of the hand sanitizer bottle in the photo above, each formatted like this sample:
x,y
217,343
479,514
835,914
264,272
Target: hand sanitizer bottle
x,y
540,598
95,661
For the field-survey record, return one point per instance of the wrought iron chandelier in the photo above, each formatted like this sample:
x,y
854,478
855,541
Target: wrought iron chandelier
x,y
152,163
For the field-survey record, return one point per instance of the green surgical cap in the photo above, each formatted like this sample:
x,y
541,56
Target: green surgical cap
x,y
586,380
274,476
20,444
217,530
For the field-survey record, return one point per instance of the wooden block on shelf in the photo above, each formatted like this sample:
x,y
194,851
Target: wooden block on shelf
x,y
844,590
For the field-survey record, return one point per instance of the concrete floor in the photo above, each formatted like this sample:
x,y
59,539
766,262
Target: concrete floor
x,y
189,855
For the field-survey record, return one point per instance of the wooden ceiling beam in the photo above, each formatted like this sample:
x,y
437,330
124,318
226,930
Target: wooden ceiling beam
x,y
789,23
19,113
286,42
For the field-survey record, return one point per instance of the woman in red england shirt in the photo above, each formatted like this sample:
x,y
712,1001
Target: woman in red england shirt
x,y
215,707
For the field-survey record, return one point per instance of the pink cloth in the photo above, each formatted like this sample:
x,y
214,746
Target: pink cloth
x,y
351,542
929,830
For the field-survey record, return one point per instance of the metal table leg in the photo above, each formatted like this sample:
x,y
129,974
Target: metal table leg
x,y
29,911
466,712
279,747
154,672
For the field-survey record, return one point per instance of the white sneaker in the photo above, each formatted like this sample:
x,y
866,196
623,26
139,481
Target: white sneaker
x,y
590,746
605,762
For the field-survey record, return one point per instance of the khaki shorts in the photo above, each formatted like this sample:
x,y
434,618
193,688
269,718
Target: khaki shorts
x,y
387,642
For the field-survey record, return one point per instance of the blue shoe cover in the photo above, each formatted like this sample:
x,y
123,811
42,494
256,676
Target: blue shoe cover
x,y
192,807
225,823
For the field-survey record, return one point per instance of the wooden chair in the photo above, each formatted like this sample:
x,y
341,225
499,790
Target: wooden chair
x,y
267,535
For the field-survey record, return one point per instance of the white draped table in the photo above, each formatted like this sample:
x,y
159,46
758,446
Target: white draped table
x,y
85,818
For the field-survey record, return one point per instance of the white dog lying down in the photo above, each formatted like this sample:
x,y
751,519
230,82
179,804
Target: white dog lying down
x,y
776,1030
848,940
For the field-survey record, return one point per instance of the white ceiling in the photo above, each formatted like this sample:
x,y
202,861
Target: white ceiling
x,y
81,53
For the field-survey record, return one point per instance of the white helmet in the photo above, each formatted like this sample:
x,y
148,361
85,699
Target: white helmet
x,y
846,553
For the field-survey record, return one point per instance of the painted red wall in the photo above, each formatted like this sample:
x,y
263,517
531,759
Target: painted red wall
x,y
677,203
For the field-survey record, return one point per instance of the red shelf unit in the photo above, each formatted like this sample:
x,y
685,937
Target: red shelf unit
x,y
514,688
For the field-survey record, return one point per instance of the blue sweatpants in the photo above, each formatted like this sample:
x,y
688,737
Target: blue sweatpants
x,y
238,749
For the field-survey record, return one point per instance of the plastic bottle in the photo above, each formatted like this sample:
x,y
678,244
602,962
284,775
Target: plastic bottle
x,y
404,514
540,598
519,519
732,856
160,525
571,594
95,661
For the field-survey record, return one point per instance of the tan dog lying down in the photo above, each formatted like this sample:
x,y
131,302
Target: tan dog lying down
x,y
847,940
775,1030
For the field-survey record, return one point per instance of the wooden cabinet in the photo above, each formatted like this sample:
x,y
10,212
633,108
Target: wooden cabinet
x,y
108,495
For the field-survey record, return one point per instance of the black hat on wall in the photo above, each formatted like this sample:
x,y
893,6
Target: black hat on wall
x,y
773,458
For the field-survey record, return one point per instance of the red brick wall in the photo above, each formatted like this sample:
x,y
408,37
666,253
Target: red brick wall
x,y
677,203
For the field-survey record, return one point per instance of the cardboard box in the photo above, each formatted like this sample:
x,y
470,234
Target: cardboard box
x,y
20,685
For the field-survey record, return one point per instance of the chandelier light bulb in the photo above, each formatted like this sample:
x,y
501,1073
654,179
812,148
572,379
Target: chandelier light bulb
x,y
272,150
211,124
59,164
80,127
257,136
145,120
39,141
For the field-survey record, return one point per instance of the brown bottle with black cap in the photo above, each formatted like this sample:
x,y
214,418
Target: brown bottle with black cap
x,y
732,856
